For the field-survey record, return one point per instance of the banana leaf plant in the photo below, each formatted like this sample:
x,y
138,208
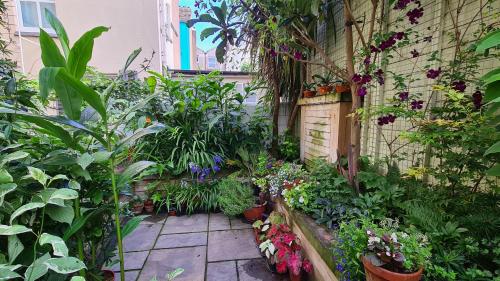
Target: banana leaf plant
x,y
492,95
62,74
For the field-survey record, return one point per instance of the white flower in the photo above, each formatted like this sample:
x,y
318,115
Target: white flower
x,y
394,237
301,199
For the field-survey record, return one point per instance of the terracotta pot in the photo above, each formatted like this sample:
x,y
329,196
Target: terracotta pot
x,y
108,275
254,213
294,277
342,88
149,206
172,213
323,90
309,94
376,273
137,209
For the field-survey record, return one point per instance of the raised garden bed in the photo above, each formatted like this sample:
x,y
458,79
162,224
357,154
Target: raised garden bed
x,y
316,241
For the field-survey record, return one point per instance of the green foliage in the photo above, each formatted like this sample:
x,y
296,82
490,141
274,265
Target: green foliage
x,y
194,197
234,197
289,147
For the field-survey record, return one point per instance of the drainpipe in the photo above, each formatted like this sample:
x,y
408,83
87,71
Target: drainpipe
x,y
160,55
18,23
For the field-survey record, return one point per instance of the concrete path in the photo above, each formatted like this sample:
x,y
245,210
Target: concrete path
x,y
209,247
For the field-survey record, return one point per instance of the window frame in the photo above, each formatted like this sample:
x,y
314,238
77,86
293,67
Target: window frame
x,y
214,61
36,30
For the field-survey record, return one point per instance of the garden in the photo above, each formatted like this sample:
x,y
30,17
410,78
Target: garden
x,y
122,150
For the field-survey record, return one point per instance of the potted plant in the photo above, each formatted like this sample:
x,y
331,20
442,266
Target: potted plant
x,y
324,83
309,90
108,275
394,256
236,198
149,205
342,87
137,205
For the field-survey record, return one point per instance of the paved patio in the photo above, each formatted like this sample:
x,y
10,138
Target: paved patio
x,y
209,247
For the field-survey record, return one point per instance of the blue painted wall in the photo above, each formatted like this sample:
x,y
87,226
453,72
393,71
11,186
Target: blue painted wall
x,y
185,46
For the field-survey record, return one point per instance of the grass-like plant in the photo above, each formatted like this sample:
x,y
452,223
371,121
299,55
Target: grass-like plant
x,y
235,197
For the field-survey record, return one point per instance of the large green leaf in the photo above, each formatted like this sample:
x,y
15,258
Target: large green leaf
x,y
492,76
131,225
60,31
58,245
81,52
65,265
491,40
37,269
15,247
82,90
64,194
51,55
7,274
492,91
153,129
77,278
493,149
81,221
55,119
85,160
207,32
5,188
494,171
130,59
38,175
64,214
25,208
132,171
13,156
46,80
7,230
5,177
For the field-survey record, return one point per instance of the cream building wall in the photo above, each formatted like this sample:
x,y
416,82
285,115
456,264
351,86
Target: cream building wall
x,y
134,24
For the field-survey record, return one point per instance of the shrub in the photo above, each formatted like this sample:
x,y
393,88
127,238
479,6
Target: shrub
x,y
234,197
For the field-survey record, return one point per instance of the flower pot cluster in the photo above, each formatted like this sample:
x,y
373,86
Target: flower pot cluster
x,y
324,85
281,248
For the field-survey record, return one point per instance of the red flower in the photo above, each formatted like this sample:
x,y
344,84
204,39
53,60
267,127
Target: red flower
x,y
288,238
307,266
281,267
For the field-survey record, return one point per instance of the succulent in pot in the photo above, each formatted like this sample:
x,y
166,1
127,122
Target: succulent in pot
x,y
137,205
309,90
324,83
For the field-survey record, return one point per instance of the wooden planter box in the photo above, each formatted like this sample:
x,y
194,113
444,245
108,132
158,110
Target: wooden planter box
x,y
316,242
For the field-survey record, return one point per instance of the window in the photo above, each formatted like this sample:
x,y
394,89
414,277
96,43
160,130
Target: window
x,y
33,14
211,62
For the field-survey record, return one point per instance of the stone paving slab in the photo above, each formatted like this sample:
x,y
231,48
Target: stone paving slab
x,y
257,270
181,240
185,224
161,262
221,271
143,238
218,221
232,245
133,260
129,275
240,223
154,218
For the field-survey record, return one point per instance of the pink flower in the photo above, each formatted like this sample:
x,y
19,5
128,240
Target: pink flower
x,y
307,265
281,267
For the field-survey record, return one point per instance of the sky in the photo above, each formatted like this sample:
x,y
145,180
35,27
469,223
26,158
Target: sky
x,y
207,43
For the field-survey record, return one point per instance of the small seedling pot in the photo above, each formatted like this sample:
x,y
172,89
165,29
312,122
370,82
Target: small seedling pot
x,y
323,90
342,88
309,94
149,206
137,209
